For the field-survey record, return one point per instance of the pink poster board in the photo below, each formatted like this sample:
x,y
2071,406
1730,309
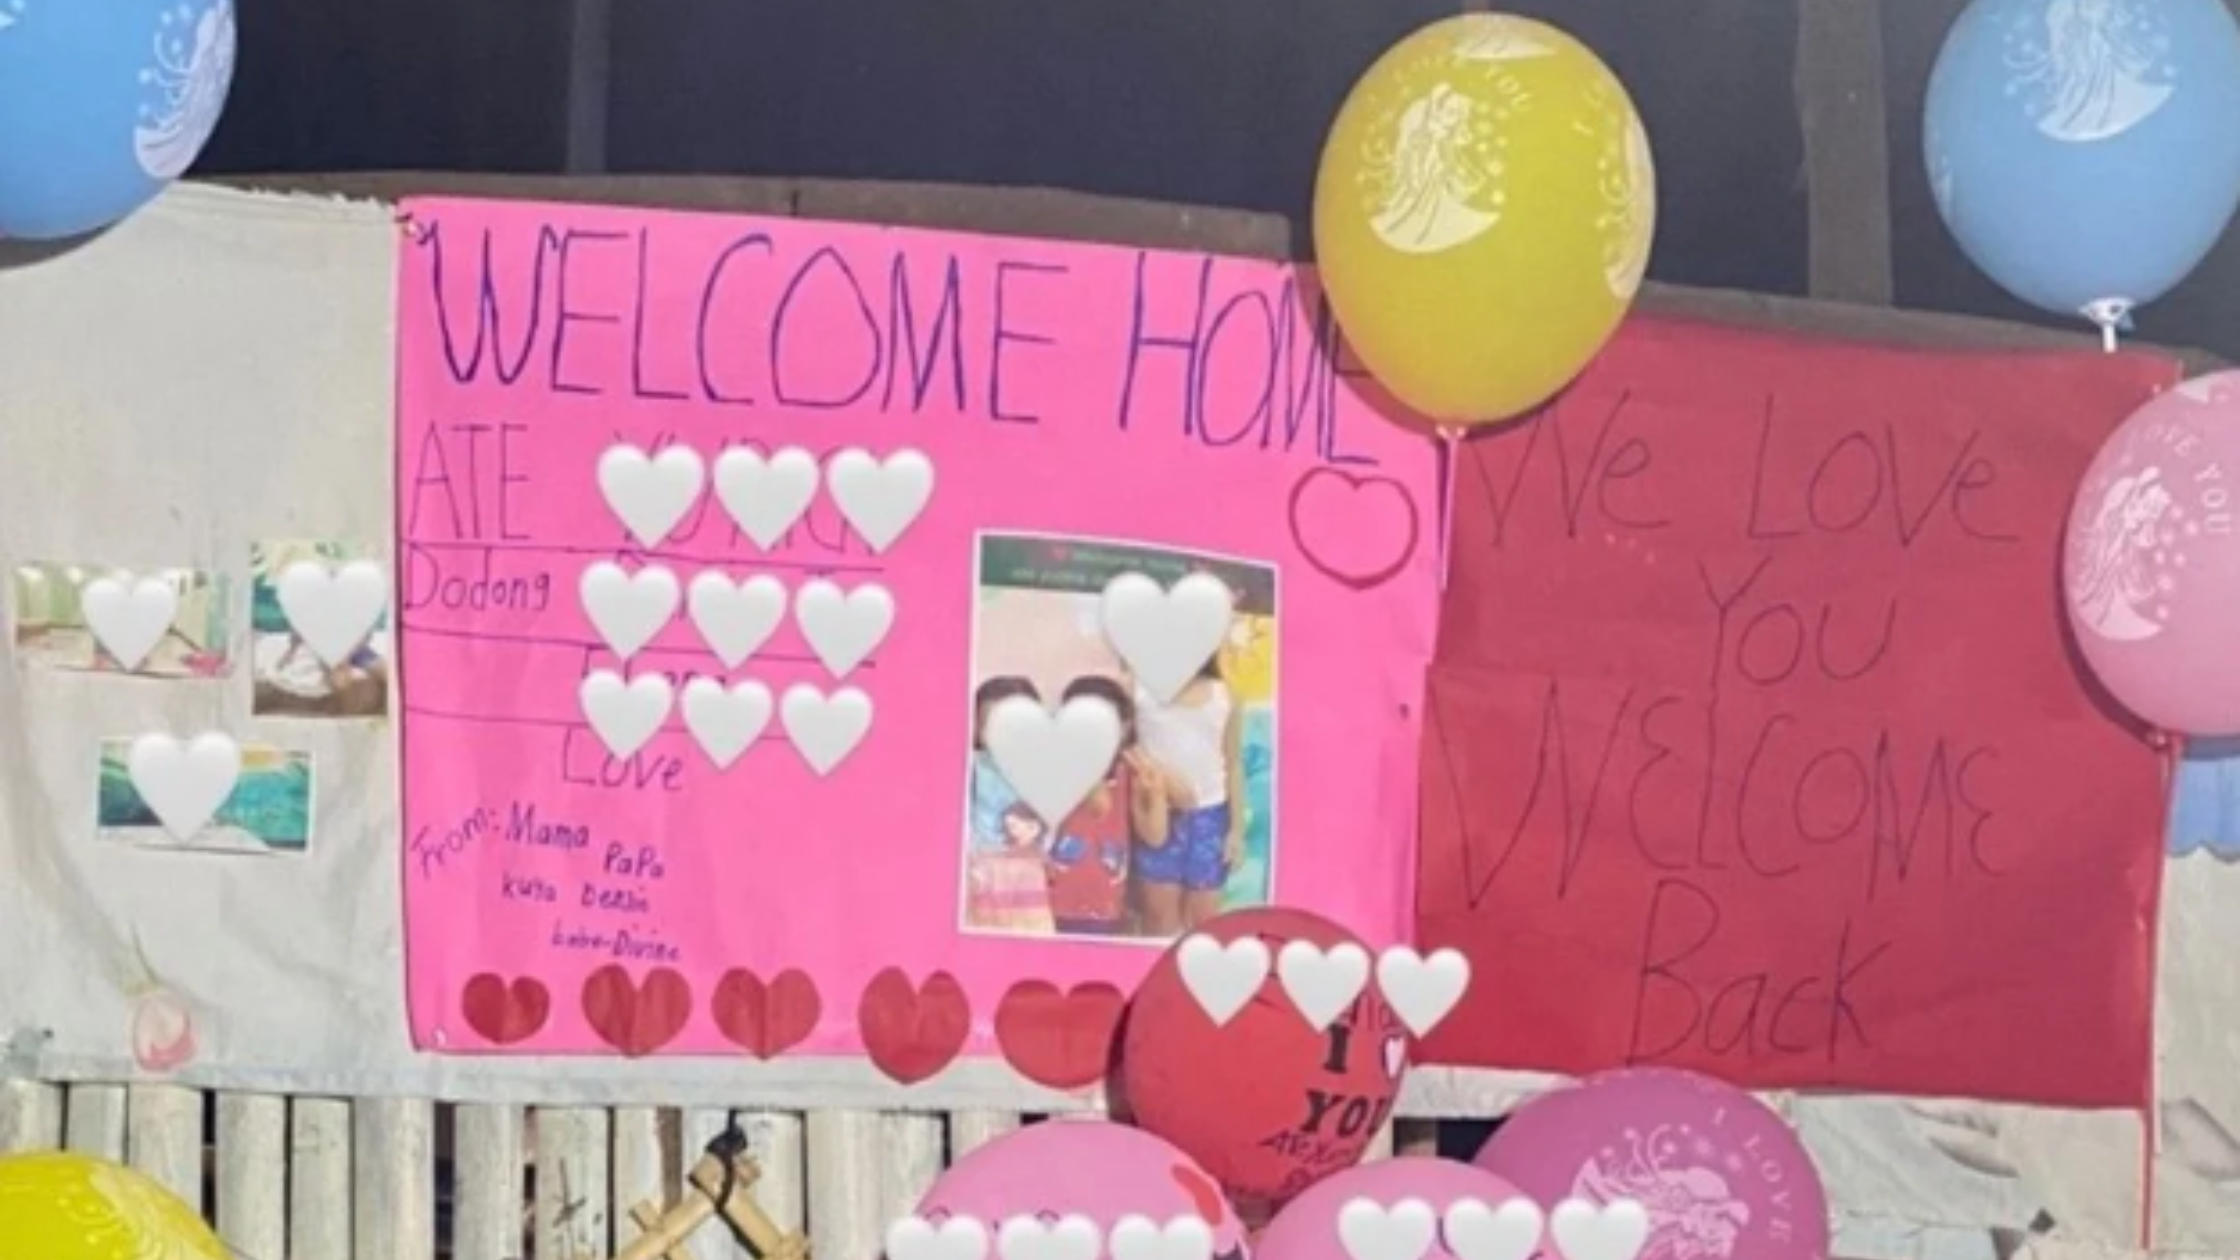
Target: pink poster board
x,y
1087,411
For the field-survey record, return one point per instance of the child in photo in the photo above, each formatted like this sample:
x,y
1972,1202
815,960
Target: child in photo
x,y
992,795
1089,854
1197,741
1010,886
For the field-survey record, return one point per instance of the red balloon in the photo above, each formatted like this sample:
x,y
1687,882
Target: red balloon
x,y
1265,1103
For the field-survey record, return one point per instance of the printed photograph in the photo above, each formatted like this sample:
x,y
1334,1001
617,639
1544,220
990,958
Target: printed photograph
x,y
1183,825
51,630
269,811
289,679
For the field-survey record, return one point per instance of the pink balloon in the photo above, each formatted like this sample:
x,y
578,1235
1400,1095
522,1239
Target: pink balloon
x,y
1091,1168
1307,1227
2152,570
1720,1174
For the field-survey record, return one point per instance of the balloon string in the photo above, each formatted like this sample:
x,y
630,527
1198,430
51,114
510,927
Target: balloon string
x,y
1450,461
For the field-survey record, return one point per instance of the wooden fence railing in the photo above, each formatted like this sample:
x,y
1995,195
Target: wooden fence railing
x,y
407,1179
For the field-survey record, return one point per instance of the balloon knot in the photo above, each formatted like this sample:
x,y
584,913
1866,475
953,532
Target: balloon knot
x,y
2112,316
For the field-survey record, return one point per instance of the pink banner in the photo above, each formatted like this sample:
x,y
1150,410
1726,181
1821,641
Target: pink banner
x,y
1086,412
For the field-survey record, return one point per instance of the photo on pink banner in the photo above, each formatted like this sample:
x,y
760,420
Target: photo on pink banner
x,y
1183,826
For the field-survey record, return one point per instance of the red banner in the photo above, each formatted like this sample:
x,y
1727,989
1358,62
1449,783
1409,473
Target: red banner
x,y
1756,742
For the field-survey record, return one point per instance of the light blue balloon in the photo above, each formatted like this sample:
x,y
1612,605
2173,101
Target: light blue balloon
x,y
103,103
2087,152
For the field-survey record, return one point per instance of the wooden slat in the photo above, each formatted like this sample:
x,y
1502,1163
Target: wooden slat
x,y
779,1141
915,1145
252,1149
392,1151
846,1191
714,1240
30,1117
319,1179
971,1130
646,1168
1840,103
95,1121
489,1182
572,1220
163,1138
589,47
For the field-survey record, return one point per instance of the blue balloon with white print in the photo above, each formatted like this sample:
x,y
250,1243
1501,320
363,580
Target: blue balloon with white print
x,y
2086,153
103,103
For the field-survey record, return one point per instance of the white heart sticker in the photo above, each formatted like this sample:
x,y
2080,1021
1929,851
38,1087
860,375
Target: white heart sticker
x,y
625,715
880,500
1616,1231
825,729
128,618
1370,1231
724,722
736,618
1477,1232
628,609
843,629
1222,977
958,1238
651,495
1053,760
184,785
1322,984
1166,635
1422,991
765,497
1069,1237
1141,1238
332,611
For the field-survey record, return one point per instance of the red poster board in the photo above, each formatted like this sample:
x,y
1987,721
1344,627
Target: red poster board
x,y
1755,741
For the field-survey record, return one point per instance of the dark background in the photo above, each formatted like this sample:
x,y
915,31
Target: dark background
x,y
1218,102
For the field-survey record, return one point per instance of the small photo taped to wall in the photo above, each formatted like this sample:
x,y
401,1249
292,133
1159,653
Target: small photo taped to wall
x,y
269,810
291,678
152,622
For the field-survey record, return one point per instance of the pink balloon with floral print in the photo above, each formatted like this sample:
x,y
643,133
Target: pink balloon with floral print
x,y
1720,1174
2151,569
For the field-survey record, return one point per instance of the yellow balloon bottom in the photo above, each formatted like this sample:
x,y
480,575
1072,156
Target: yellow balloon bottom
x,y
69,1207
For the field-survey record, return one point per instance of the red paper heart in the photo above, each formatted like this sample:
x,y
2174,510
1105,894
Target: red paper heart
x,y
912,1033
765,1020
636,1019
1062,1040
502,1013
1382,526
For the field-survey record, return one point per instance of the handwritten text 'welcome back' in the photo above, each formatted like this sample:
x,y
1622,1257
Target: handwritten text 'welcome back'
x,y
1231,352
1751,765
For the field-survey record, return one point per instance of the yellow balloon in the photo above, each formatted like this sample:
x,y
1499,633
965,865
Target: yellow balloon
x,y
1483,215
68,1207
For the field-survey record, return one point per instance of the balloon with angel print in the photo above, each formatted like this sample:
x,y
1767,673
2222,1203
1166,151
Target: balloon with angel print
x,y
103,106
